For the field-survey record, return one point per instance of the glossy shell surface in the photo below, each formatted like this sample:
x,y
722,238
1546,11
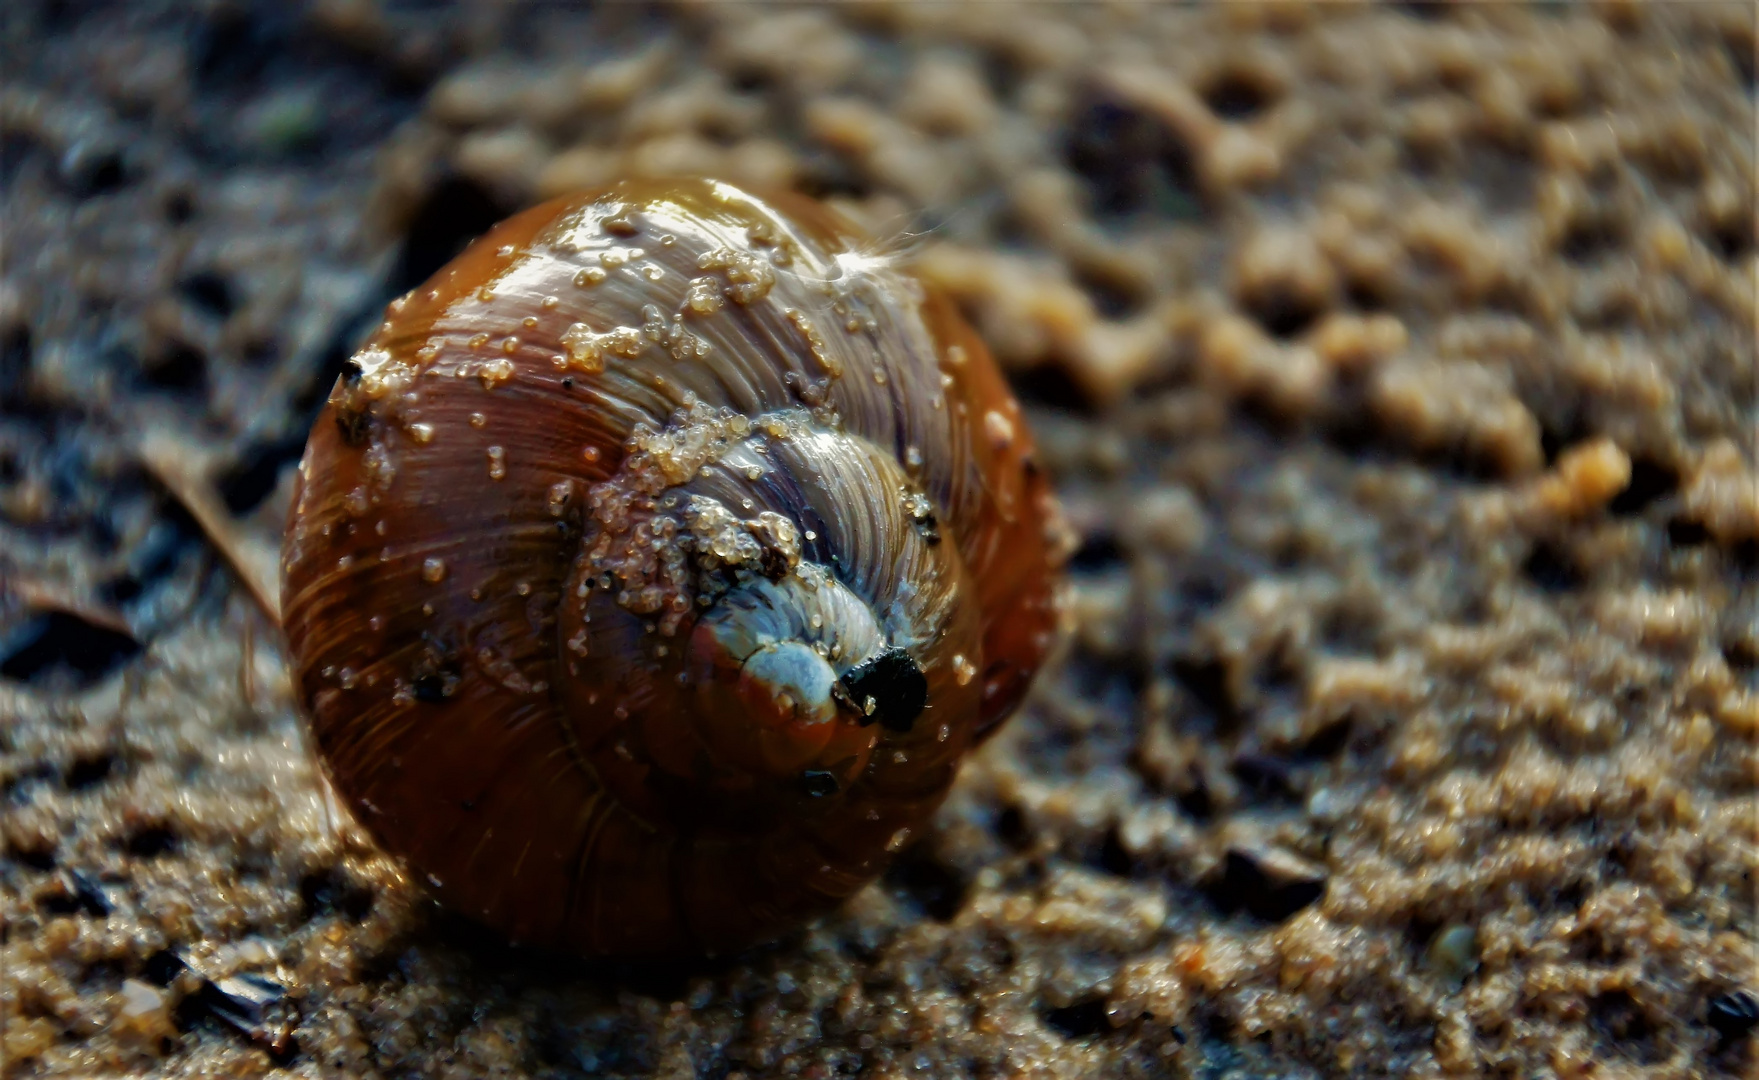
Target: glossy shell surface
x,y
655,564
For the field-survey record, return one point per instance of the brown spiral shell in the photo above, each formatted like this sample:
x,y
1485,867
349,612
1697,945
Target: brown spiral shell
x,y
654,565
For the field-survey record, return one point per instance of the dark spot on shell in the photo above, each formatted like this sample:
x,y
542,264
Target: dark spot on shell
x,y
353,426
436,685
436,675
772,564
929,528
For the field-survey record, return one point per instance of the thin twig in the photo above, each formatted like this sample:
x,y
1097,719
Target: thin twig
x,y
184,473
43,598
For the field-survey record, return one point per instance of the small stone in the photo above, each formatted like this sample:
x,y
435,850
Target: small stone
x,y
1453,953
28,1039
143,1010
1166,519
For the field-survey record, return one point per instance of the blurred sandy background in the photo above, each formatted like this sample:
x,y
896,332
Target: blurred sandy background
x,y
1396,364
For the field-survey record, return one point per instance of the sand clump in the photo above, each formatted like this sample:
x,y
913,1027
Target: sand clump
x,y
1396,365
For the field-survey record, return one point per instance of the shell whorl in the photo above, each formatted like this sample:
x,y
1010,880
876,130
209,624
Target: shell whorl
x,y
655,564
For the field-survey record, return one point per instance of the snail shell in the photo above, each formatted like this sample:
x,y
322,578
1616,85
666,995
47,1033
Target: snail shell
x,y
653,566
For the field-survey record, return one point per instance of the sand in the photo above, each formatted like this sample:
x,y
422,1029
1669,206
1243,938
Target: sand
x,y
1396,365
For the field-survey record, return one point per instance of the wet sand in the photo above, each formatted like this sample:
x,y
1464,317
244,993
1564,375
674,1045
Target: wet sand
x,y
1395,364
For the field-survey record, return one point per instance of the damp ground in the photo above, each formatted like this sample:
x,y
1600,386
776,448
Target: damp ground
x,y
1395,364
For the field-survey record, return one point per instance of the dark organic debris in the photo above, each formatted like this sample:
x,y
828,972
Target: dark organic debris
x,y
150,841
258,471
1733,1015
36,856
1269,883
455,211
61,641
185,474
1624,1022
163,967
1131,162
71,892
250,1004
85,772
254,1006
209,292
1265,775
932,886
88,894
1082,1020
332,891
